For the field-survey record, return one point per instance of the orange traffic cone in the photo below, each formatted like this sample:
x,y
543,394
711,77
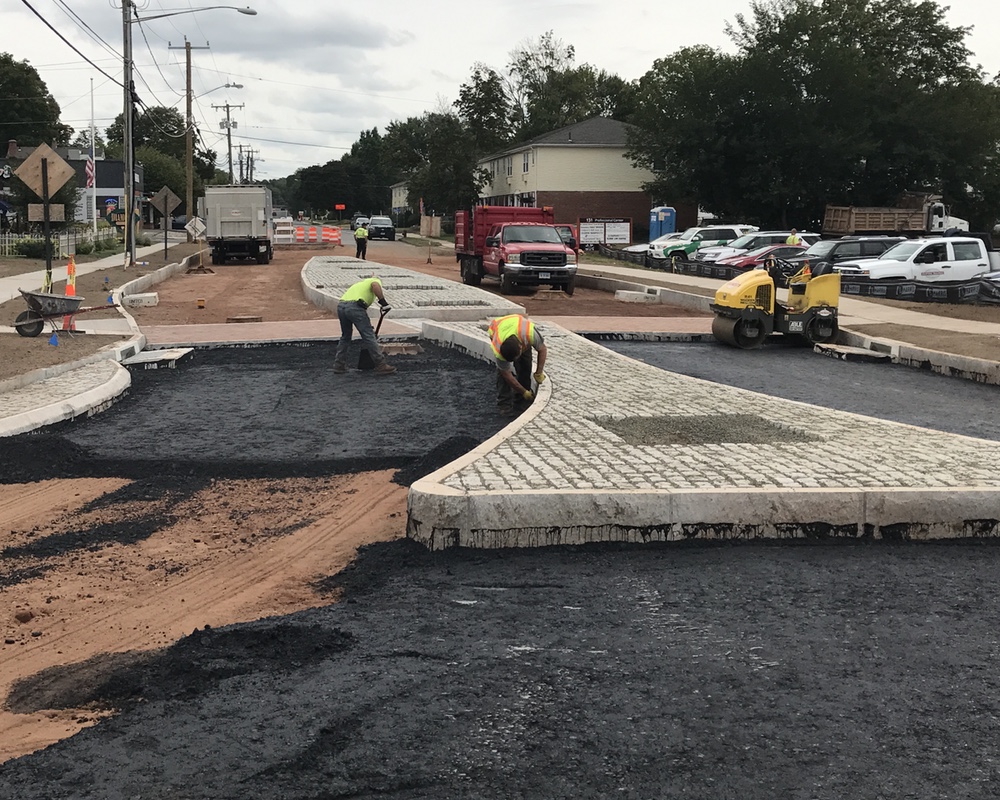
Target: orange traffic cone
x,y
69,324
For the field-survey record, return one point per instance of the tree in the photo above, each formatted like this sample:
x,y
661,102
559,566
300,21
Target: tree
x,y
485,109
437,155
82,142
28,112
836,101
163,129
161,170
531,66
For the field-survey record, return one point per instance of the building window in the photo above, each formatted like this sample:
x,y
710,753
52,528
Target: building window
x,y
510,166
524,162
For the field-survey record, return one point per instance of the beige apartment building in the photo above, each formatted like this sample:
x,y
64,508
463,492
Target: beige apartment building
x,y
580,170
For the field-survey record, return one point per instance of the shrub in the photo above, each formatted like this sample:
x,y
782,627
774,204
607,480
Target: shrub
x,y
84,248
143,241
33,248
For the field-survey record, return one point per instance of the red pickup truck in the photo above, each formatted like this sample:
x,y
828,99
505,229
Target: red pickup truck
x,y
518,246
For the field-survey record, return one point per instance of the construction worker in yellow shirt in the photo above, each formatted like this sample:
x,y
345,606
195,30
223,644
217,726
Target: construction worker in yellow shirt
x,y
512,338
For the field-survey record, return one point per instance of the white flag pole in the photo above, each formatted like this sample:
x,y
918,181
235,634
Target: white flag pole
x,y
93,161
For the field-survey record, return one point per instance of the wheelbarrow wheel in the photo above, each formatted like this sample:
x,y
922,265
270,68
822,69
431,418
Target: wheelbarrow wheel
x,y
28,324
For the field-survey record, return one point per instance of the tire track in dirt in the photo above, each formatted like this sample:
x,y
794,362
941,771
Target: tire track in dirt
x,y
26,505
229,584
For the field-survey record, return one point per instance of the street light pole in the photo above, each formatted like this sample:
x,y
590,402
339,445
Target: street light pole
x,y
129,146
127,168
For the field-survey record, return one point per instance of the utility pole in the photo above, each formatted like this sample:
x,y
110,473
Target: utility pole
x,y
189,134
229,125
128,173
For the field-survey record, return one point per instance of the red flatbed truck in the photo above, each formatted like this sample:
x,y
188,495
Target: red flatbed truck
x,y
515,245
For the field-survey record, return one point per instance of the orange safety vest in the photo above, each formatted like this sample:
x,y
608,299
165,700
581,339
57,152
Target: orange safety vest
x,y
513,324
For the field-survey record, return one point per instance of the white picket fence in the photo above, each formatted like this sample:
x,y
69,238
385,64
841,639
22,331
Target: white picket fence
x,y
65,243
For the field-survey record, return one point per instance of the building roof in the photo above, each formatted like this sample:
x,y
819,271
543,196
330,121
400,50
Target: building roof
x,y
596,131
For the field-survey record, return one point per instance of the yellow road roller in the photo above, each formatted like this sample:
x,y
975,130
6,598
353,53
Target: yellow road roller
x,y
747,310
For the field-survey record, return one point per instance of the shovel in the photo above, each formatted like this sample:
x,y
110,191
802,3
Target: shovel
x,y
365,360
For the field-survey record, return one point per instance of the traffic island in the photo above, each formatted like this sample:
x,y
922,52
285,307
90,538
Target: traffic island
x,y
614,450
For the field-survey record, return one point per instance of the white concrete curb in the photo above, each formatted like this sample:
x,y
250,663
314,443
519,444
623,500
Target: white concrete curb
x,y
86,403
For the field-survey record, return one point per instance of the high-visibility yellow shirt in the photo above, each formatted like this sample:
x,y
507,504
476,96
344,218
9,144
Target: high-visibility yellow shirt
x,y
512,325
361,233
362,290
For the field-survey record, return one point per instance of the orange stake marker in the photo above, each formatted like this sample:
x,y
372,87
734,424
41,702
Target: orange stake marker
x,y
69,324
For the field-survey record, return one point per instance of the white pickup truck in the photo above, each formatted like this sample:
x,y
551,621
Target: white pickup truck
x,y
950,258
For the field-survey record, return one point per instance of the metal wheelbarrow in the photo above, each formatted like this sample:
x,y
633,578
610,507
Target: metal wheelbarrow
x,y
44,307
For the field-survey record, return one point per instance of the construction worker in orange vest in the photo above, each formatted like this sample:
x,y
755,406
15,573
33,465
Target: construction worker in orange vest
x,y
512,339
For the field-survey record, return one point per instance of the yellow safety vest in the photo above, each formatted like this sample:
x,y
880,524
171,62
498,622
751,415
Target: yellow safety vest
x,y
503,328
362,290
361,233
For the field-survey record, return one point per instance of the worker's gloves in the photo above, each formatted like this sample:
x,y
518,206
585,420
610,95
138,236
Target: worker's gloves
x,y
539,377
383,302
528,394
386,308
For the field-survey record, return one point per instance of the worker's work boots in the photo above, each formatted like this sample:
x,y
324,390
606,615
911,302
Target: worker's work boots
x,y
339,367
385,368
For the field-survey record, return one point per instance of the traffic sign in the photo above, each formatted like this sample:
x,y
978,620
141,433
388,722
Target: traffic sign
x,y
165,201
57,170
195,227
339,207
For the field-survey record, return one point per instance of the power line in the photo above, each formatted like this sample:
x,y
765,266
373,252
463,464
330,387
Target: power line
x,y
90,31
71,46
296,144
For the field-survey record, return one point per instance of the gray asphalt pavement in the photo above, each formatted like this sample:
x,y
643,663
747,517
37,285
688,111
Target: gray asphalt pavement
x,y
885,391
819,672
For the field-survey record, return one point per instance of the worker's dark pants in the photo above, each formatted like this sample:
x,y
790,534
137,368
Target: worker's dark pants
x,y
352,315
507,398
362,248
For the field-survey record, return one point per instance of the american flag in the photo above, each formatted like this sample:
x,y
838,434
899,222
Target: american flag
x,y
90,169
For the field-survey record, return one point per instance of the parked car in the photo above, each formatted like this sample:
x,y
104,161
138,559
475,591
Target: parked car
x,y
935,260
693,238
355,217
178,223
850,248
381,228
748,242
756,258
659,241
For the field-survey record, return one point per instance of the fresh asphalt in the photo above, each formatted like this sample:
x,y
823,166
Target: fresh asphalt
x,y
882,390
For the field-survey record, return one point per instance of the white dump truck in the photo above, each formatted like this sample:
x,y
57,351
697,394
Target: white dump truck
x,y
238,222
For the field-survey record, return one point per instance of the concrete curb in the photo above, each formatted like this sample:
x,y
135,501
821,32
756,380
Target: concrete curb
x,y
673,297
979,370
87,403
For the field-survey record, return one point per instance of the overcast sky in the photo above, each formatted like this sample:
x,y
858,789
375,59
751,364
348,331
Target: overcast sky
x,y
316,72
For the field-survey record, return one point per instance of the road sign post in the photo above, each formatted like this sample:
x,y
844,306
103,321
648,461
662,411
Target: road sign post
x,y
165,201
44,172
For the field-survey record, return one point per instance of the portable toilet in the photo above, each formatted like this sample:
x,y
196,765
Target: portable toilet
x,y
662,220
